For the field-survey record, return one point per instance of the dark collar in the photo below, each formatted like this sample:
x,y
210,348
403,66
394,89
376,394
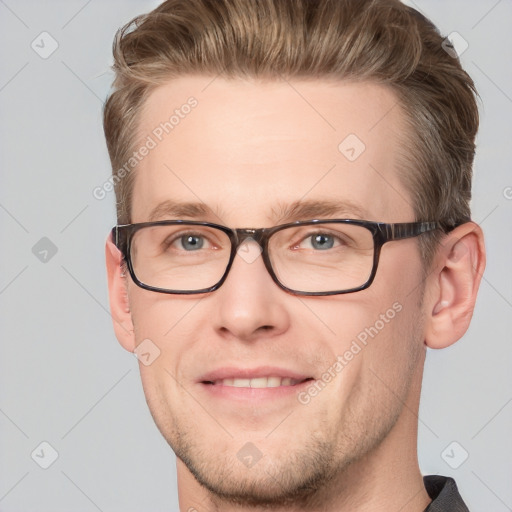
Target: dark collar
x,y
444,494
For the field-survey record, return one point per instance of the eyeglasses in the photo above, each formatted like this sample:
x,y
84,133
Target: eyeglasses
x,y
313,257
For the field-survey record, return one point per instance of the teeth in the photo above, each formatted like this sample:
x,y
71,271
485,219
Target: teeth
x,y
273,382
241,383
259,382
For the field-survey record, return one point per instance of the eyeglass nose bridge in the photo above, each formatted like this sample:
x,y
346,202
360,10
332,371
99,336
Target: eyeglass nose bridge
x,y
245,234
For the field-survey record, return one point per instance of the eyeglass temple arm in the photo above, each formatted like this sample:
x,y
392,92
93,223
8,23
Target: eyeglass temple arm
x,y
402,230
115,236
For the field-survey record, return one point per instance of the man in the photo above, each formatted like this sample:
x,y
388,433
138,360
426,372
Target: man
x,y
292,181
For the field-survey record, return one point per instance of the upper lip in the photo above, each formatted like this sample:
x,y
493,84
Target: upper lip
x,y
233,372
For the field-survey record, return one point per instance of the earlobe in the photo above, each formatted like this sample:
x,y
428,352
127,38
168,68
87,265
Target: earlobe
x,y
118,296
453,285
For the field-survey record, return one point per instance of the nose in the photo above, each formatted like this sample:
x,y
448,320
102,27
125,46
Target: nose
x,y
249,304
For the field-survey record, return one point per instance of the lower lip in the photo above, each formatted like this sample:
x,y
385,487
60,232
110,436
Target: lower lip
x,y
253,394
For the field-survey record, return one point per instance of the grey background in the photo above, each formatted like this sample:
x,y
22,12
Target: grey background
x,y
63,377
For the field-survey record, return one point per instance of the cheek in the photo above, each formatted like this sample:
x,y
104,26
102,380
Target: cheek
x,y
378,331
158,315
356,318
394,353
396,324
363,334
163,327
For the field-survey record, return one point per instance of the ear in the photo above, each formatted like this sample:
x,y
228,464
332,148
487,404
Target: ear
x,y
453,285
118,296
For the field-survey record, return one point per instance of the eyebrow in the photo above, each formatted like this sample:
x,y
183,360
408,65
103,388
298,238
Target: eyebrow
x,y
174,209
317,209
280,213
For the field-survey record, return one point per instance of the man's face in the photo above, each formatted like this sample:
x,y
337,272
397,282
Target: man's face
x,y
246,151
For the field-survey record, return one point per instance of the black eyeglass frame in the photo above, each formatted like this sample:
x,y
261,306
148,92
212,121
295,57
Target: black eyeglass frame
x,y
382,232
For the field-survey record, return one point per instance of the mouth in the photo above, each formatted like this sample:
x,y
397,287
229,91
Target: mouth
x,y
257,382
249,387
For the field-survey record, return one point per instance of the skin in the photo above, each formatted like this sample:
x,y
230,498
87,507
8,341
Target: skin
x,y
247,147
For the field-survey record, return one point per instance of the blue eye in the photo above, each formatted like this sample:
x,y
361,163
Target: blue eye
x,y
322,242
191,242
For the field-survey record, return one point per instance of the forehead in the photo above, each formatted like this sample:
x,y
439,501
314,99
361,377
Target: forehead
x,y
246,150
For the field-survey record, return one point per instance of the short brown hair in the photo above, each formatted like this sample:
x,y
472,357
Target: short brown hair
x,y
382,41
